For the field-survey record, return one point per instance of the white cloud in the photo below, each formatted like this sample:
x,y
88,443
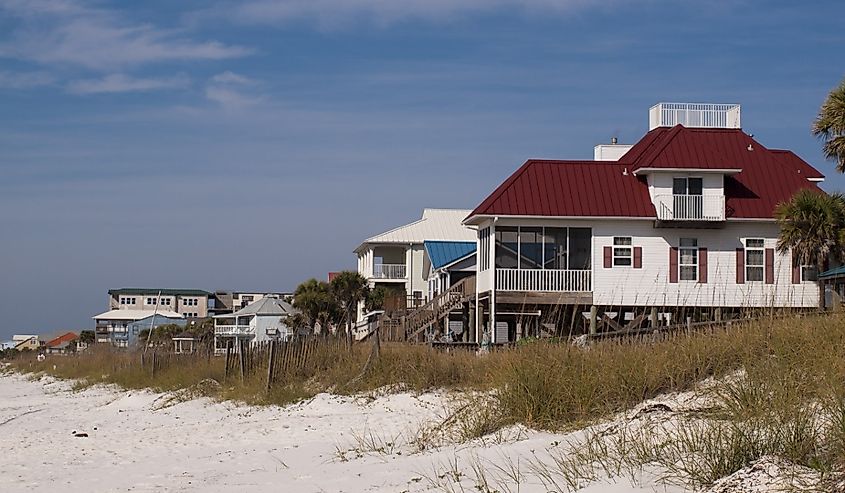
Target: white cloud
x,y
229,90
333,12
115,83
229,77
71,32
24,80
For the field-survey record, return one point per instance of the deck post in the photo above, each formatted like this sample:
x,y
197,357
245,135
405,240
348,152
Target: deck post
x,y
594,313
718,314
653,317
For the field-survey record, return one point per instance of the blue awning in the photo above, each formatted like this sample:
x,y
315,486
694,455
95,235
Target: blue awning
x,y
443,253
837,272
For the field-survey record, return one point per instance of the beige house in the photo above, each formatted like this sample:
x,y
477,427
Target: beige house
x,y
26,341
190,303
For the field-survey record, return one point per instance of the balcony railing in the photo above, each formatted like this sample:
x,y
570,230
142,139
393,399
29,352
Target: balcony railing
x,y
389,271
232,329
567,281
690,207
701,115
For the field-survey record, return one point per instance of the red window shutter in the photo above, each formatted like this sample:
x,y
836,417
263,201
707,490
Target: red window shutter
x,y
673,264
702,265
740,266
796,269
608,257
770,266
638,257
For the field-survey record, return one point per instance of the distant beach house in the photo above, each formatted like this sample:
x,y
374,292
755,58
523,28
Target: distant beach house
x,y
121,328
263,320
397,259
23,342
224,302
61,344
188,303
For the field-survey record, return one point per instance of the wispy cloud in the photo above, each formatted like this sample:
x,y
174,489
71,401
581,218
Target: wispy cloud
x,y
24,80
72,32
335,12
230,90
116,83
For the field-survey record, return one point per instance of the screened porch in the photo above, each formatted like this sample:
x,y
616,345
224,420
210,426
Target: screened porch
x,y
548,259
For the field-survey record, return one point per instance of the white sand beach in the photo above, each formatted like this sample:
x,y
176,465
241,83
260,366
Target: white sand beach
x,y
144,441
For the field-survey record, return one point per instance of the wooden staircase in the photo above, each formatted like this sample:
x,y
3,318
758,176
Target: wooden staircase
x,y
438,308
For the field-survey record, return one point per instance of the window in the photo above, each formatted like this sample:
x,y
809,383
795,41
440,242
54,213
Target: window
x,y
754,259
507,248
151,301
165,301
687,186
688,259
809,273
484,241
530,248
543,248
622,252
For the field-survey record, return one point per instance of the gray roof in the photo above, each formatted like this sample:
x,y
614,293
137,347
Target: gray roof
x,y
265,306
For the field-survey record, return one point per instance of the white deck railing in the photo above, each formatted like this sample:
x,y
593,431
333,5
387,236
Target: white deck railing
x,y
573,281
389,271
232,329
701,115
690,207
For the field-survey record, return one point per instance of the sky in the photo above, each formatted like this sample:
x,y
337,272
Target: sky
x,y
251,145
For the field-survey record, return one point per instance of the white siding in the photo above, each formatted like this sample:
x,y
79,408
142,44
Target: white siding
x,y
650,286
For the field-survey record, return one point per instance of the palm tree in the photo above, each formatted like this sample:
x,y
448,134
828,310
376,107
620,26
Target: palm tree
x,y
349,288
830,126
315,302
811,226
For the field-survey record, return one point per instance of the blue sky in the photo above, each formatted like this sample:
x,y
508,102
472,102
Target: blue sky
x,y
250,145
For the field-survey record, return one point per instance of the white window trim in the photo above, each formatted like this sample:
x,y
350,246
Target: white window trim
x,y
694,260
803,279
761,266
629,246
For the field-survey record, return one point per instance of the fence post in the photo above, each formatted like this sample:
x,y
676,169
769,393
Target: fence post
x,y
228,359
241,347
153,368
271,360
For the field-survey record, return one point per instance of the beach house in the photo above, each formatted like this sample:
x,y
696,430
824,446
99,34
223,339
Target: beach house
x,y
397,259
189,303
676,227
263,320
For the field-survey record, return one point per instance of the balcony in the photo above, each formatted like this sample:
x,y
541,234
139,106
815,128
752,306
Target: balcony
x,y
545,280
232,330
695,208
389,271
698,115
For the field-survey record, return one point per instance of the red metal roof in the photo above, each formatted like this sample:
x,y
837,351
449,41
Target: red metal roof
x,y
570,188
609,189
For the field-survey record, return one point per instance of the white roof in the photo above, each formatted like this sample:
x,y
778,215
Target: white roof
x,y
20,337
435,224
269,305
134,314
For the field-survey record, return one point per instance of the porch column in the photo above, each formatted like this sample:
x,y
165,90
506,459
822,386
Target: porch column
x,y
594,313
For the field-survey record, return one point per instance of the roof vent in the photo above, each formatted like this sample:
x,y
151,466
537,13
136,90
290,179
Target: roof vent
x,y
694,115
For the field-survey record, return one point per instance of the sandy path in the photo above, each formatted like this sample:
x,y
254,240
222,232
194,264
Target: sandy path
x,y
137,443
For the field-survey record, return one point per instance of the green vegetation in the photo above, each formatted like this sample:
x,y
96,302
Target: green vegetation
x,y
830,126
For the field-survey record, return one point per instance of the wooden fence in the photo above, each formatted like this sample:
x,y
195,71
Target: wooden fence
x,y
280,360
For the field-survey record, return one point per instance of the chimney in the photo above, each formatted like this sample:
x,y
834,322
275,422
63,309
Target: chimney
x,y
614,141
